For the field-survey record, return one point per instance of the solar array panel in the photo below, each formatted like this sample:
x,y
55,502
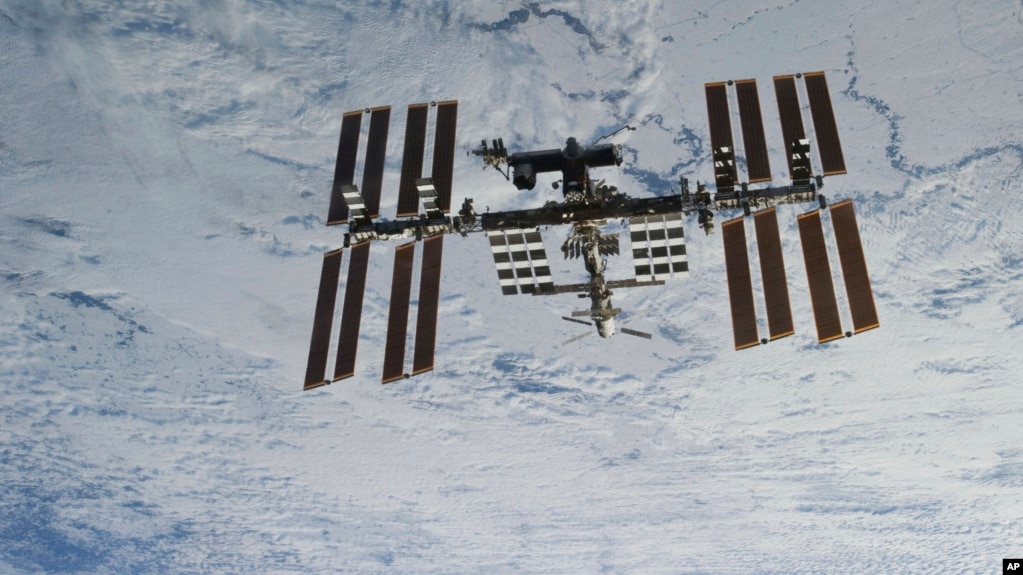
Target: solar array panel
x,y
828,144
397,318
791,117
351,311
854,267
772,271
720,134
818,274
429,301
344,169
740,284
376,154
718,116
323,319
412,159
753,140
444,151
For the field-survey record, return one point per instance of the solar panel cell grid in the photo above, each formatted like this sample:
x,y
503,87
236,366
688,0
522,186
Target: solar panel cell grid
x,y
753,140
854,267
818,274
351,312
429,300
376,152
412,160
344,168
772,271
397,318
720,130
790,115
830,147
444,152
740,284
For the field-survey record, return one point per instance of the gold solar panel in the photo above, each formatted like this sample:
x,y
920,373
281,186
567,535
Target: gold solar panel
x,y
753,141
323,320
830,148
818,275
412,159
790,115
429,301
718,116
444,152
397,318
854,267
344,169
772,270
351,312
376,152
740,285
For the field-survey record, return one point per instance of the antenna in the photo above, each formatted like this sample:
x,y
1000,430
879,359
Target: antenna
x,y
612,134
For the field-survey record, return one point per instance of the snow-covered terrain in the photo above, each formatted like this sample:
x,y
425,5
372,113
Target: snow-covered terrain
x,y
164,177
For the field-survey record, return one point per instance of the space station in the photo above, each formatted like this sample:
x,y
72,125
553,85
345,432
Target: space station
x,y
742,188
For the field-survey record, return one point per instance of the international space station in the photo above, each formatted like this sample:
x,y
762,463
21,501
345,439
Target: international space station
x,y
587,208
